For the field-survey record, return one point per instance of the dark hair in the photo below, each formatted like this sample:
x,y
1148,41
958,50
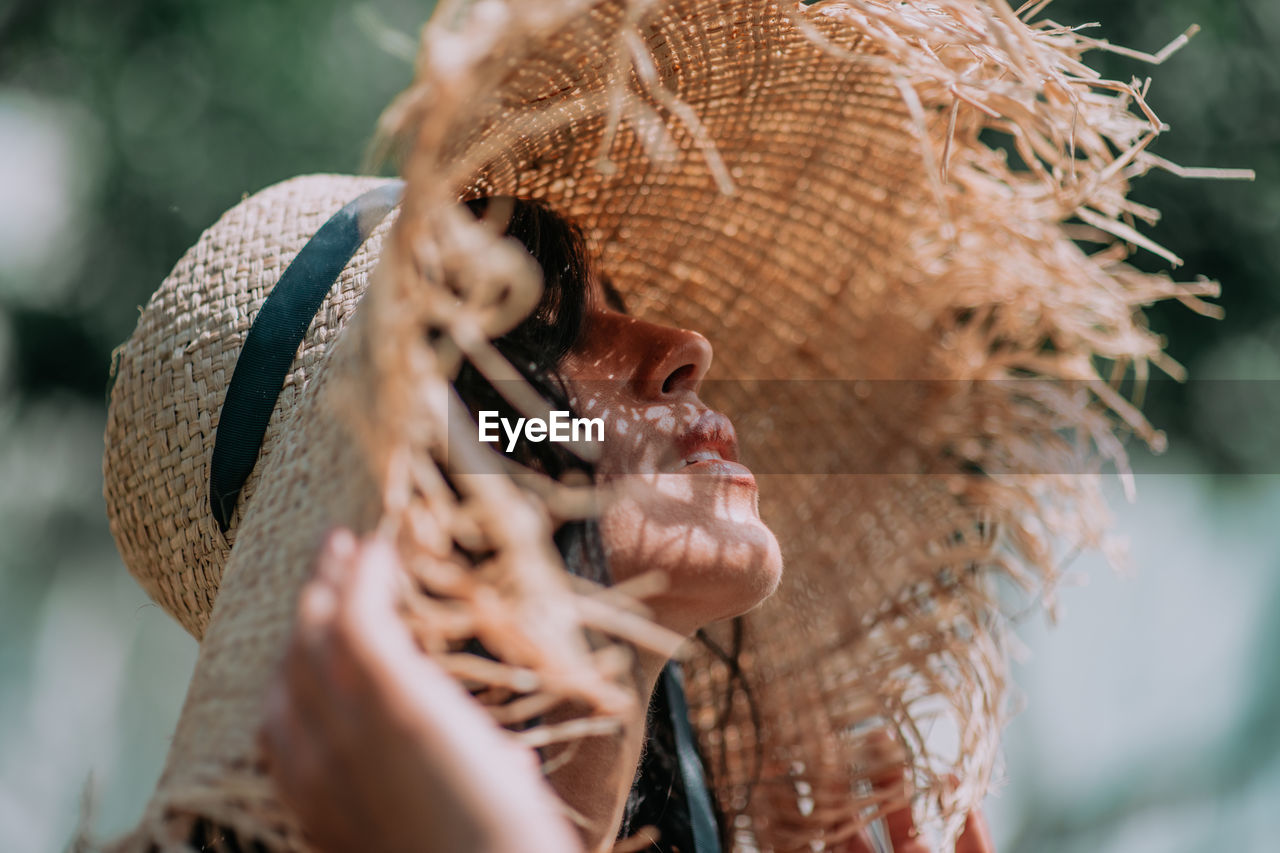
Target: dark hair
x,y
536,348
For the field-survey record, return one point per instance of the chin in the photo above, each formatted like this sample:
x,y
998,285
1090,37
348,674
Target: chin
x,y
720,558
743,558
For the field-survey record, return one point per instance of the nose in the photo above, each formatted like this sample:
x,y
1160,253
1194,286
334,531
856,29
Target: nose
x,y
673,360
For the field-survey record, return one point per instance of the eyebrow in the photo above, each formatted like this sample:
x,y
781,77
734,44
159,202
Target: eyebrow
x,y
612,296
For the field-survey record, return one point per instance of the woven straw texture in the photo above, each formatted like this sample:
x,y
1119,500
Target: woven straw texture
x,y
808,187
170,378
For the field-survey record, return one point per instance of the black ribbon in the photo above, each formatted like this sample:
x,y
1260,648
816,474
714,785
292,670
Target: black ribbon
x,y
706,836
274,338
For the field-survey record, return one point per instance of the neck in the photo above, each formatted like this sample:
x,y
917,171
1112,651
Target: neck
x,y
598,771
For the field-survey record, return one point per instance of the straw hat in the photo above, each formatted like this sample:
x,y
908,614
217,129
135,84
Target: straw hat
x,y
911,334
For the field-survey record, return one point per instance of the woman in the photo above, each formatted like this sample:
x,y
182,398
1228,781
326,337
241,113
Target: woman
x,y
377,749
816,180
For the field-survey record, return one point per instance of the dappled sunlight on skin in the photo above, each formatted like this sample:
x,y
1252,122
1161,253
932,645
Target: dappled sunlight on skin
x,y
677,499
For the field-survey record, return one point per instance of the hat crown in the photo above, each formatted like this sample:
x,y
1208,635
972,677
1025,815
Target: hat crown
x,y
171,376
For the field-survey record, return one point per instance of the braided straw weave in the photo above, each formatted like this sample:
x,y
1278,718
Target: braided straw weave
x,y
810,187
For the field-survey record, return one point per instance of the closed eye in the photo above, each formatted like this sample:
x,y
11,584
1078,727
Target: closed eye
x,y
612,296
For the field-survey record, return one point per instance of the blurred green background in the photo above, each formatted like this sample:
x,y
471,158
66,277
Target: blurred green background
x,y
1152,718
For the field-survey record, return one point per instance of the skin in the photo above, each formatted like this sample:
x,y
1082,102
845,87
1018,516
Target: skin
x,y
375,749
701,522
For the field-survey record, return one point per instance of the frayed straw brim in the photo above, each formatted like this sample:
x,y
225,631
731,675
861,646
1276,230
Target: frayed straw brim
x,y
807,186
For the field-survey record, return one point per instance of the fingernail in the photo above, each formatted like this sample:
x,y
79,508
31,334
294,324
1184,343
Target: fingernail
x,y
336,555
318,603
343,542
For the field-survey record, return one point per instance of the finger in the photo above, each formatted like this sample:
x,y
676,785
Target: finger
x,y
317,607
271,736
287,748
370,588
372,645
318,600
303,669
337,551
306,746
294,702
976,837
372,627
888,779
903,835
325,635
307,671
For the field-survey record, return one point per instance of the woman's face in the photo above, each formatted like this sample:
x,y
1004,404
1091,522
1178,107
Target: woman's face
x,y
679,501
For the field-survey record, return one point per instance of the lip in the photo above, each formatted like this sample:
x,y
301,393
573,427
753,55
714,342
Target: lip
x,y
710,446
734,472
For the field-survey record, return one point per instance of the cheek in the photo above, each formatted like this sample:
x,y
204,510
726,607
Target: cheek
x,y
620,439
629,447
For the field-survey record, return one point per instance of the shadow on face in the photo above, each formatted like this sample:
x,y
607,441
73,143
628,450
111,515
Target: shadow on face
x,y
679,500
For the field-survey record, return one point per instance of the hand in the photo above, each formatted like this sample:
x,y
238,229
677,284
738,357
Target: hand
x,y
374,748
903,837
903,834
